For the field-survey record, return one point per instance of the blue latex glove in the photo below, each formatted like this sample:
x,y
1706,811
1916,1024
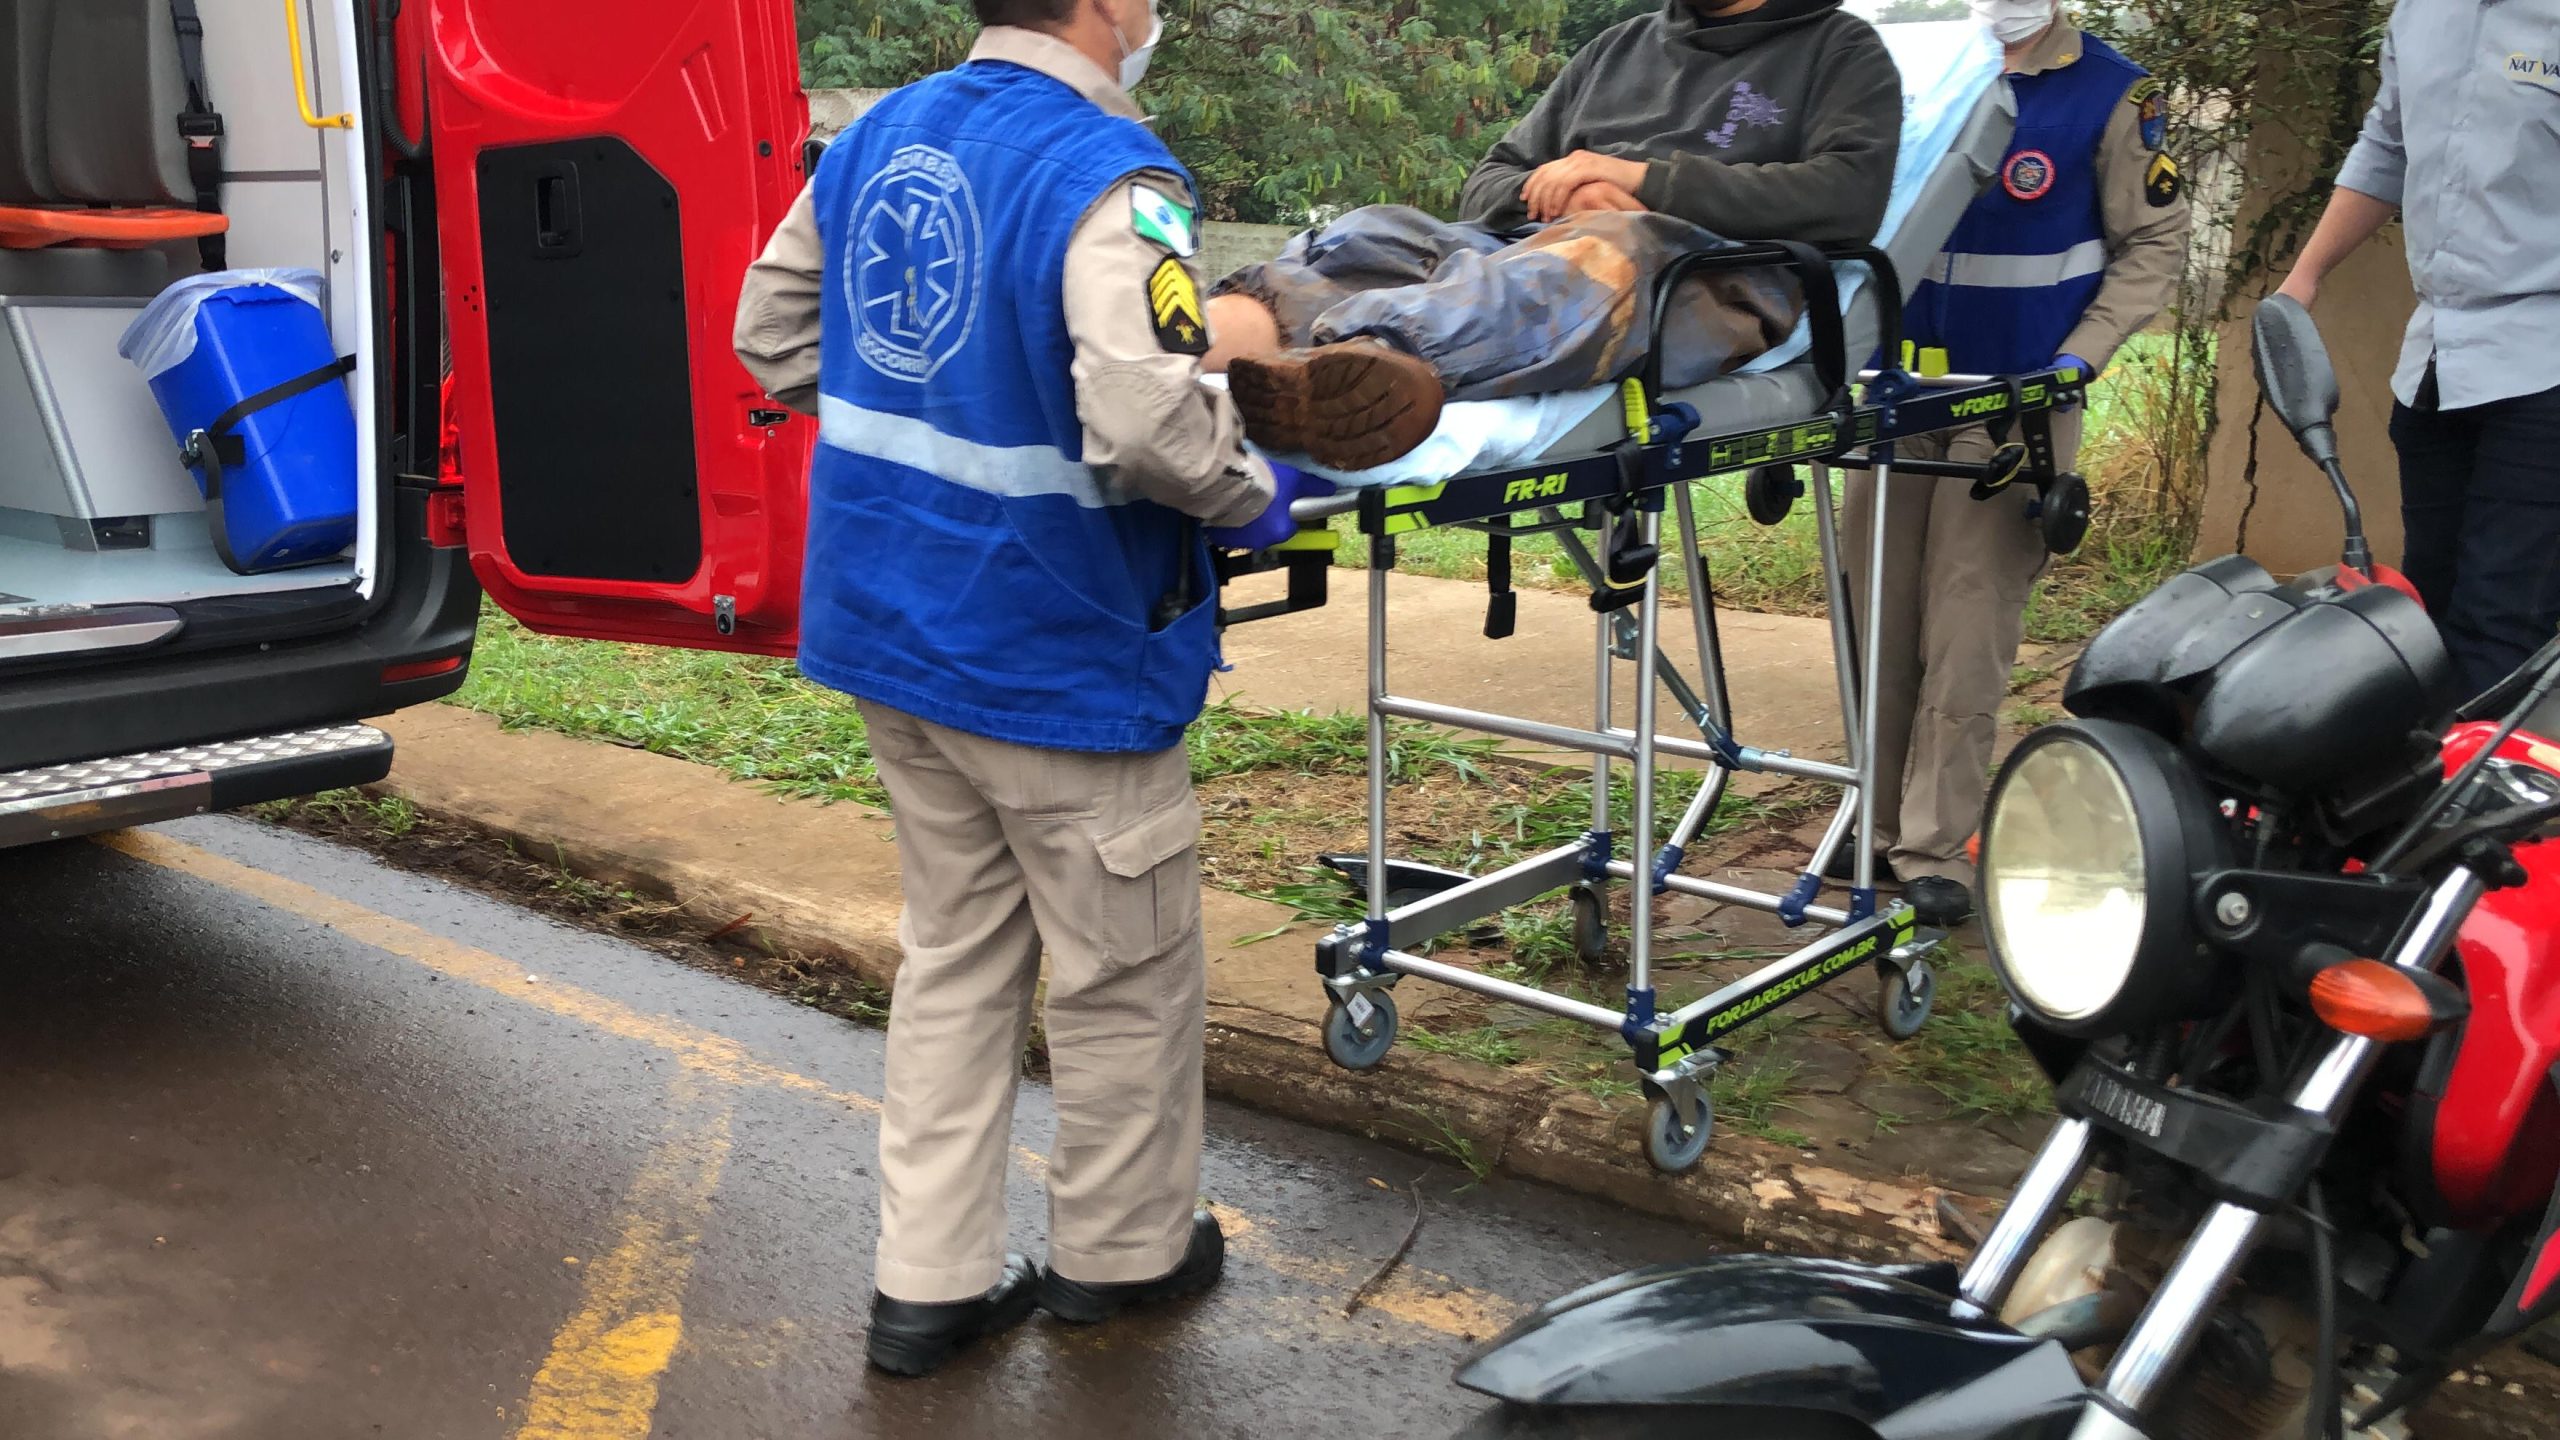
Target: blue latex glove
x,y
2088,372
1274,524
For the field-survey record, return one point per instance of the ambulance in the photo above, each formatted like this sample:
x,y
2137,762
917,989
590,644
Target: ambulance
x,y
319,319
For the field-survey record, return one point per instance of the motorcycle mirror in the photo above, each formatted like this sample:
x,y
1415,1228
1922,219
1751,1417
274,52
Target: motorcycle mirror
x,y
2301,386
2295,375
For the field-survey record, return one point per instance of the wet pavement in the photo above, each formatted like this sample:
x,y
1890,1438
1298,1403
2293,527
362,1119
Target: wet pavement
x,y
294,1145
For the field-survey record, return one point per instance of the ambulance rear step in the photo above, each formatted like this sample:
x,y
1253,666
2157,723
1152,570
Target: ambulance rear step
x,y
55,802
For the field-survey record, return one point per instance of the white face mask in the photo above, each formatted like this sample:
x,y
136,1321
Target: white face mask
x,y
1134,62
2014,22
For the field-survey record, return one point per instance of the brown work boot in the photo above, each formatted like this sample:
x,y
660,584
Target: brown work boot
x,y
1347,406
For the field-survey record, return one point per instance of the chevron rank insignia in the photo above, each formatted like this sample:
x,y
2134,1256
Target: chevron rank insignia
x,y
2160,182
1164,220
1173,303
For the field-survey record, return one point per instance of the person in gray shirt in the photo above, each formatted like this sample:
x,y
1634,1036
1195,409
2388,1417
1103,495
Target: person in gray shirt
x,y
1705,122
2463,143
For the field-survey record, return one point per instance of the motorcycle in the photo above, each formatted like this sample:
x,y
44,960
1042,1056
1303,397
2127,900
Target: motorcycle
x,y
2281,921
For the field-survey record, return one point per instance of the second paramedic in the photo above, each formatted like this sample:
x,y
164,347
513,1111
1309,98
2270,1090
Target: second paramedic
x,y
987,297
2074,248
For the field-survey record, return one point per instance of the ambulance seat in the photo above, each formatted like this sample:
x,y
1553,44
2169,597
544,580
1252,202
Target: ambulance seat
x,y
90,151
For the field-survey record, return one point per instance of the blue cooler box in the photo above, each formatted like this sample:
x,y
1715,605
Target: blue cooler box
x,y
280,487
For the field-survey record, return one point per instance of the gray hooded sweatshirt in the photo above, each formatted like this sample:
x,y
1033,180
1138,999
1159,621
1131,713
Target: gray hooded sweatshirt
x,y
1778,124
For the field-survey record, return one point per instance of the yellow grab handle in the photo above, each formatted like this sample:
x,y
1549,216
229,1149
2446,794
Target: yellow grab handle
x,y
302,78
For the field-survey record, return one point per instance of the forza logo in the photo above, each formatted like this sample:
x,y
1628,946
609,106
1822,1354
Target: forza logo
x,y
1979,405
1741,1012
1535,487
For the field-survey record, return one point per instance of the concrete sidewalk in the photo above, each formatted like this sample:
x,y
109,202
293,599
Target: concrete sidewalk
x,y
1778,667
823,881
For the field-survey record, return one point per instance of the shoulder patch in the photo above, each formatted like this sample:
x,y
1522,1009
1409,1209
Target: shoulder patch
x,y
1160,218
1173,308
2160,184
2151,112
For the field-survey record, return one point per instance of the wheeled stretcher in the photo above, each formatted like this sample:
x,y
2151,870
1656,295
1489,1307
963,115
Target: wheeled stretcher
x,y
1601,480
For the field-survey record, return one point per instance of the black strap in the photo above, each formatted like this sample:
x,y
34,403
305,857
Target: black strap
x,y
200,126
1502,606
214,447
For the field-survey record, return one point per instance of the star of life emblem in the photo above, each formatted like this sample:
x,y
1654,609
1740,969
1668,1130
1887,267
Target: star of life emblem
x,y
913,264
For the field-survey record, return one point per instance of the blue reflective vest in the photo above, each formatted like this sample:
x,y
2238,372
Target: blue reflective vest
x,y
964,564
2027,259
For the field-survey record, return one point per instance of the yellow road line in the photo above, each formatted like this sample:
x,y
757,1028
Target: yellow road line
x,y
717,1056
1412,1295
600,1381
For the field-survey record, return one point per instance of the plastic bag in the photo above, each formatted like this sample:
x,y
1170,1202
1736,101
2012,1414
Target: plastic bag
x,y
162,337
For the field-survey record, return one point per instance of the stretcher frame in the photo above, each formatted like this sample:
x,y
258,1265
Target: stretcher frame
x,y
1622,493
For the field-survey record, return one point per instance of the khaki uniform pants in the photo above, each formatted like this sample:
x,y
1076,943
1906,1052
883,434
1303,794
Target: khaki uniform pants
x,y
1956,579
1005,848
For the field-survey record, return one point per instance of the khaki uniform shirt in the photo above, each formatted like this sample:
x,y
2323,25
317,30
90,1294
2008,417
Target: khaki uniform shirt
x,y
1150,426
2146,243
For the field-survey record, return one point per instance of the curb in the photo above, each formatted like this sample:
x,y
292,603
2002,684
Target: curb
x,y
1746,1192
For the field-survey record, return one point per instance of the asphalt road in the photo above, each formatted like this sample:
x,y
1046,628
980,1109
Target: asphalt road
x,y
293,1145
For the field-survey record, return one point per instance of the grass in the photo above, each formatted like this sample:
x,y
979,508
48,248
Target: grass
x,y
389,815
1486,1044
1747,1096
752,718
1967,1052
1435,1134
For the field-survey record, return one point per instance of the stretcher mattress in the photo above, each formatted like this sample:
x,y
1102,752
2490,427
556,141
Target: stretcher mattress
x,y
1957,119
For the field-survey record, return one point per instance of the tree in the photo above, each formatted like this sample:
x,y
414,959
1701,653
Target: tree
x,y
1906,11
1280,109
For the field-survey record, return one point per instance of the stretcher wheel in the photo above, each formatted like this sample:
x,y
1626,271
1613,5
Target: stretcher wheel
x,y
2065,514
1354,1046
1770,493
1904,1006
1590,925
1672,1147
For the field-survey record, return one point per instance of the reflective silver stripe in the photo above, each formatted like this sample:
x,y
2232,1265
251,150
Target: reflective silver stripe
x,y
1012,471
2020,272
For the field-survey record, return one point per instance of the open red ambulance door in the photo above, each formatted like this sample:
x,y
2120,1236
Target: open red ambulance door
x,y
605,171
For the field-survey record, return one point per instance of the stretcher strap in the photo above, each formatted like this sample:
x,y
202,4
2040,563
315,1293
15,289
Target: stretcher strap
x,y
215,447
1502,608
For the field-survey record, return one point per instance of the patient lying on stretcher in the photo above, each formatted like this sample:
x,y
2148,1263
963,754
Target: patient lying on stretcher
x,y
1710,120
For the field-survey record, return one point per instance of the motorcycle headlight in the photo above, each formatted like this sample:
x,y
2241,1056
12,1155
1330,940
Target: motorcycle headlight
x,y
2093,842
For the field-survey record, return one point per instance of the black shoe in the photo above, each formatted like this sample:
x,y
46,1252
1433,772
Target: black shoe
x,y
1843,868
1938,902
1078,1303
912,1338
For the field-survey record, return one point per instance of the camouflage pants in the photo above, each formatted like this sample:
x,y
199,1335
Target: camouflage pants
x,y
1562,307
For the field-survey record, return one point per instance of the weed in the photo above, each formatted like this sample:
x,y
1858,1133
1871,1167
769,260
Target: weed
x,y
1540,940
1608,1083
2028,717
1440,1137
1967,1053
1746,1096
1322,898
1484,1043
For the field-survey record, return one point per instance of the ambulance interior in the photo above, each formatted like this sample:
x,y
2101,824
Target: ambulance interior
x,y
98,214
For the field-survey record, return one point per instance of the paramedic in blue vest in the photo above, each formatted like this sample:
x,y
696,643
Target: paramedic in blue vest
x,y
2076,246
986,296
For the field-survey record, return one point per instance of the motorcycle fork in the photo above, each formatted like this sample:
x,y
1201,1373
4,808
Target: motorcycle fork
x,y
2162,1339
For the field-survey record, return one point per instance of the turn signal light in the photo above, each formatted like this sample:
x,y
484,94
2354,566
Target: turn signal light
x,y
1973,849
420,669
2383,1002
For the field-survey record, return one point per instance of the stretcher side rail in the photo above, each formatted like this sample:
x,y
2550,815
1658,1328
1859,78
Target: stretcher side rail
x,y
1389,511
